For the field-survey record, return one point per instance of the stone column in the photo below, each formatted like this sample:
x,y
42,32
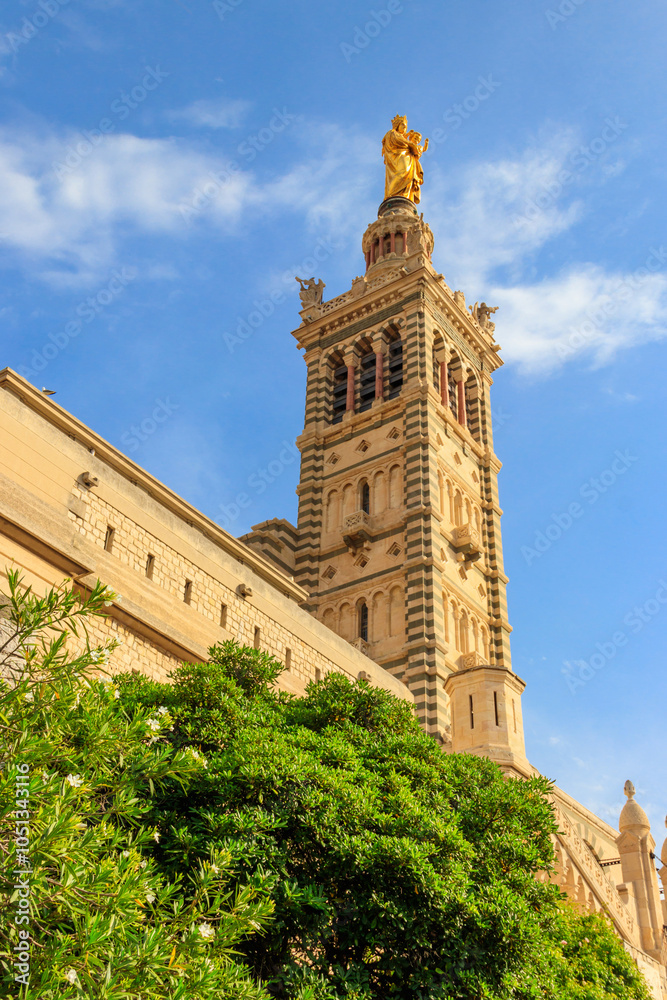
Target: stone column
x,y
349,402
368,259
444,384
495,728
461,402
392,242
379,375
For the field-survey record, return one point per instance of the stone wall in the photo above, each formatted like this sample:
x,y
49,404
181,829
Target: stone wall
x,y
73,506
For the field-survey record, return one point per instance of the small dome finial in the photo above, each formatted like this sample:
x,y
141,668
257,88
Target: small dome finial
x,y
633,817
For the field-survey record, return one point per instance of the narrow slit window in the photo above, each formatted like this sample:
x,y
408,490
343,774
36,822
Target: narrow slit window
x,y
150,566
223,615
366,498
363,622
258,637
288,659
187,592
495,706
472,712
108,538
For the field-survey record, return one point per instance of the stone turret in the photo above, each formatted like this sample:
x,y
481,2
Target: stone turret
x,y
640,889
398,232
486,713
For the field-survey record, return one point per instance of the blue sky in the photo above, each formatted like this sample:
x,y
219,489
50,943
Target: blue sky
x,y
166,168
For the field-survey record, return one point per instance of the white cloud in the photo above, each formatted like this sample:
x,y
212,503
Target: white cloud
x,y
71,224
498,216
584,311
220,113
66,208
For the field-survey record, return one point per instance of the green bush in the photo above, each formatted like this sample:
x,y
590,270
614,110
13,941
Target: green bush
x,y
399,871
103,919
212,838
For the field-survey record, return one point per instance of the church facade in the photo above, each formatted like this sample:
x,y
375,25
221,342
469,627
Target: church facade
x,y
394,571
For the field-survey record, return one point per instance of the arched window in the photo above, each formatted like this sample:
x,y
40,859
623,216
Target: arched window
x,y
458,509
380,613
366,380
365,498
333,511
379,492
395,486
339,391
363,621
394,367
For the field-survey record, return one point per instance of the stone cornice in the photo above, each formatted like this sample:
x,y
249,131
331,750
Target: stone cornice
x,y
417,280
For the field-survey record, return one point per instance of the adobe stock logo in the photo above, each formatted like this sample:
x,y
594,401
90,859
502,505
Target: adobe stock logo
x,y
591,490
379,19
577,673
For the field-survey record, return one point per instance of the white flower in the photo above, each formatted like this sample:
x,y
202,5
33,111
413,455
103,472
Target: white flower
x,y
126,854
75,780
154,724
152,740
116,693
71,974
142,864
206,931
150,897
197,756
162,710
215,869
156,837
29,696
45,777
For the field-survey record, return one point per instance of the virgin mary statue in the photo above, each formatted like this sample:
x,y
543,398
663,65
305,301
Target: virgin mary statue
x,y
401,151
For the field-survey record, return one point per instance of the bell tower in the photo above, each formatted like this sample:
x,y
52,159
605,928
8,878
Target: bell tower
x,y
398,540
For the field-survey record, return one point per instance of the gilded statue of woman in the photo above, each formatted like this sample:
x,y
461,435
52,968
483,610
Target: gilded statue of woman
x,y
401,151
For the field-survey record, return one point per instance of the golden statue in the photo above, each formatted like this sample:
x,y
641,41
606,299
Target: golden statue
x,y
401,151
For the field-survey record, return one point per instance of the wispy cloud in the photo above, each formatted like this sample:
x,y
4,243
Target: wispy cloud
x,y
220,113
492,219
68,227
497,217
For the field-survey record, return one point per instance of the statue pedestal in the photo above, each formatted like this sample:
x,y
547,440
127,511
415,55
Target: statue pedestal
x,y
397,204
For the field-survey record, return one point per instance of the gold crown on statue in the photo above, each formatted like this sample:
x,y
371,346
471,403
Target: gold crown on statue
x,y
397,119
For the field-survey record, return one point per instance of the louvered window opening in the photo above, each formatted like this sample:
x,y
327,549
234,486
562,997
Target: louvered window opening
x,y
366,382
339,393
395,369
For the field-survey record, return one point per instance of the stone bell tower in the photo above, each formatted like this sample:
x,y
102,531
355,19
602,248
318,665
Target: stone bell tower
x,y
398,539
